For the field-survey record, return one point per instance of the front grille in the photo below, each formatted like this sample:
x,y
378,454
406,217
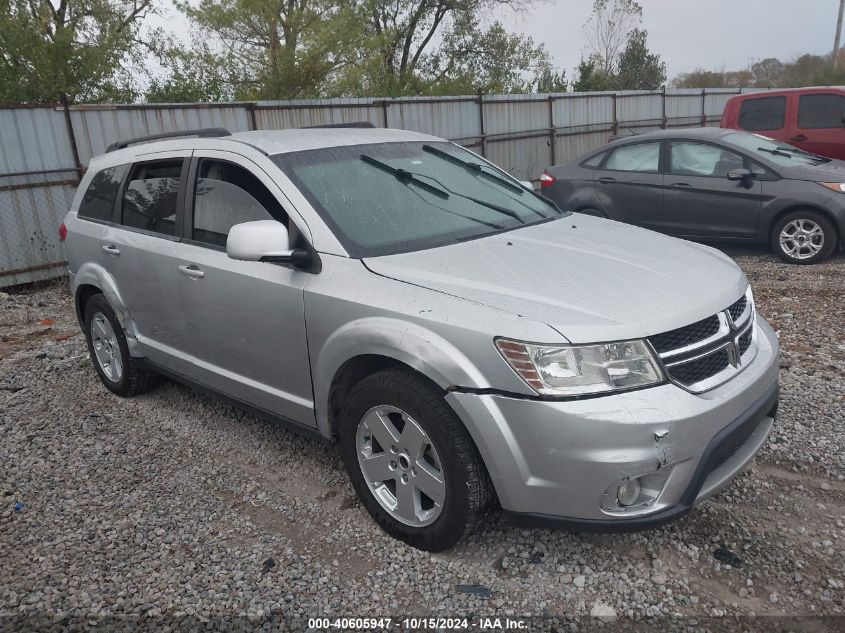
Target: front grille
x,y
686,335
744,341
737,308
700,368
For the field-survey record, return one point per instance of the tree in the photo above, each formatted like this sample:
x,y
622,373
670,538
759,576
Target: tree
x,y
289,48
198,75
767,72
608,30
591,77
81,48
638,68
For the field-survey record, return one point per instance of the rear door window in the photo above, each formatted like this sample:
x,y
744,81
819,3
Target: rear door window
x,y
149,201
765,113
821,111
225,195
98,201
643,157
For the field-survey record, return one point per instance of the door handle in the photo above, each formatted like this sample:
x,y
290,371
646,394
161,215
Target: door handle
x,y
680,186
800,138
191,271
607,180
111,249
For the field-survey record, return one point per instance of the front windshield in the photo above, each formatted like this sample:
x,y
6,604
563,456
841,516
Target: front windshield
x,y
774,151
387,198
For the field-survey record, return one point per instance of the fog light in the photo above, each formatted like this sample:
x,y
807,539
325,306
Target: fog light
x,y
628,492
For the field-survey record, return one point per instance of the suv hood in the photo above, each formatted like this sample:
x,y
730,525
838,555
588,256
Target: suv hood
x,y
589,278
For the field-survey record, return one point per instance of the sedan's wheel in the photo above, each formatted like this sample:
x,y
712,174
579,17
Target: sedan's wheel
x,y
412,462
803,237
109,351
401,466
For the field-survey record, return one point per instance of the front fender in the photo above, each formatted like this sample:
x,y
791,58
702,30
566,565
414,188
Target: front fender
x,y
409,343
93,274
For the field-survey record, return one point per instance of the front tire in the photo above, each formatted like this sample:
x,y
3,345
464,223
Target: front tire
x,y
412,462
109,351
803,237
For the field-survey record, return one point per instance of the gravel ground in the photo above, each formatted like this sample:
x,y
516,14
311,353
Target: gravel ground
x,y
175,508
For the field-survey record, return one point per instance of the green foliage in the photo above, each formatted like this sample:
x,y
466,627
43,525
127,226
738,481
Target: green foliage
x,y
806,70
638,68
635,68
82,48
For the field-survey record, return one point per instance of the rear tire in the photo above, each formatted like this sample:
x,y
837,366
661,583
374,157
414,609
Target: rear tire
x,y
408,412
118,371
803,237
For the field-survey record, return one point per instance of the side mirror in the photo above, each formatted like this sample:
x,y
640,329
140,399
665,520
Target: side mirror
x,y
741,175
263,241
527,184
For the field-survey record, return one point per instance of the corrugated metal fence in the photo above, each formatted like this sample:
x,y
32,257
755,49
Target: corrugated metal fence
x,y
44,150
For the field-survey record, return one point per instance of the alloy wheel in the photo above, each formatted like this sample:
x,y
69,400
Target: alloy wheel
x,y
801,238
400,466
106,348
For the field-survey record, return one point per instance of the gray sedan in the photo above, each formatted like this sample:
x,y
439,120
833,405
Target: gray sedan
x,y
712,184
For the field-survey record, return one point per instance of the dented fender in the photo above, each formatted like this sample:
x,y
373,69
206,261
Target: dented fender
x,y
409,343
93,274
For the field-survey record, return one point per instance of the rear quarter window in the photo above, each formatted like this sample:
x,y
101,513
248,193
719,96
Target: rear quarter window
x,y
98,201
765,113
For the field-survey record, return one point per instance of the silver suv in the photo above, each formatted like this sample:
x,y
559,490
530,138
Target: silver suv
x,y
467,344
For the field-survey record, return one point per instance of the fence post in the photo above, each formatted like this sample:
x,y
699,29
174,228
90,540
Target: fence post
x,y
614,127
72,137
703,107
250,110
552,131
384,106
663,121
481,122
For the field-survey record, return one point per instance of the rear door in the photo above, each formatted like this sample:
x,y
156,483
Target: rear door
x,y
242,323
765,115
819,126
700,201
141,252
629,184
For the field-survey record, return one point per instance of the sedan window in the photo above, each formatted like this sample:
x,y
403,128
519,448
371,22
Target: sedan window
x,y
640,157
688,158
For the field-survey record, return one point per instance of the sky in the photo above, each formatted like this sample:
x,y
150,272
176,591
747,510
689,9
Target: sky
x,y
688,34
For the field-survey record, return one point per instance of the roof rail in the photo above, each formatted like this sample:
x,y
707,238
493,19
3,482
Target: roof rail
x,y
206,132
363,124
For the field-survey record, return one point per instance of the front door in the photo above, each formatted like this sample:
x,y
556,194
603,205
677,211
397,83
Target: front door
x,y
243,323
700,201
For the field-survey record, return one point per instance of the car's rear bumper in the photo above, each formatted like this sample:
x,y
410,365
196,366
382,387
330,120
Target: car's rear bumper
x,y
561,461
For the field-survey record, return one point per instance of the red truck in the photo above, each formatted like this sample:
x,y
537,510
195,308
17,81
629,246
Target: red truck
x,y
812,119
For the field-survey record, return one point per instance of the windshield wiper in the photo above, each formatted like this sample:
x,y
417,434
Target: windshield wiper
x,y
476,167
776,152
802,152
405,176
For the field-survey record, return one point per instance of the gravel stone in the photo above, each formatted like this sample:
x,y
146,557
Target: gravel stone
x,y
167,507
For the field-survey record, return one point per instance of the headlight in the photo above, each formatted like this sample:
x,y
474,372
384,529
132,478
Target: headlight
x,y
838,187
576,370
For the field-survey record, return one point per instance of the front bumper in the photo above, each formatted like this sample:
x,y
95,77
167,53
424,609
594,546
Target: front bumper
x,y
555,461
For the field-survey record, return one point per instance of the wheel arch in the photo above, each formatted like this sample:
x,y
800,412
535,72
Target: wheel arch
x,y
365,346
92,278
